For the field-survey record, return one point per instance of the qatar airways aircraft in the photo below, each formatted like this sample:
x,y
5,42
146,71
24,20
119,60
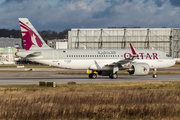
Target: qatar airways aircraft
x,y
105,62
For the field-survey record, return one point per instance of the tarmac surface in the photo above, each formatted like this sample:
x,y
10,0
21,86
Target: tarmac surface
x,y
69,70
21,76
26,78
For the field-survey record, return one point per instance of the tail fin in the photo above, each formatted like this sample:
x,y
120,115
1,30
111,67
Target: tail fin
x,y
31,38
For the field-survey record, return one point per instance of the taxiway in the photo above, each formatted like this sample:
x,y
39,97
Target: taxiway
x,y
62,79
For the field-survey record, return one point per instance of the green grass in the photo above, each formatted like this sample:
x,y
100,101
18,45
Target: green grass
x,y
26,66
22,71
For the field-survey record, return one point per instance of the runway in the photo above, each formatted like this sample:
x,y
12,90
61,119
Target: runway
x,y
62,79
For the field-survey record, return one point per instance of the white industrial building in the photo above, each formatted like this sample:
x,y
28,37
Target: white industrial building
x,y
57,43
10,42
166,39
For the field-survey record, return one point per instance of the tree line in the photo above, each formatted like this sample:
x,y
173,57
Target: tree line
x,y
45,34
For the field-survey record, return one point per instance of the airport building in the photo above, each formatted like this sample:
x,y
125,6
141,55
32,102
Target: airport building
x,y
11,42
8,49
57,43
7,55
165,39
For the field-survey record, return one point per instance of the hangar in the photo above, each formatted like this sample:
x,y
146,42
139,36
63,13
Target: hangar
x,y
166,39
8,49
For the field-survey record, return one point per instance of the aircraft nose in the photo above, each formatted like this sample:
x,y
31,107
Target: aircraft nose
x,y
173,62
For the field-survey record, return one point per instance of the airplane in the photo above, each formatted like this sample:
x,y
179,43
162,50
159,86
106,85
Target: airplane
x,y
105,62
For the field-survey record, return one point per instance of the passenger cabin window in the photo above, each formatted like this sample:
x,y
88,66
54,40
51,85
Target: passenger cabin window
x,y
168,55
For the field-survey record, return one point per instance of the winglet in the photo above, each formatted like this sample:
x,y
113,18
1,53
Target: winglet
x,y
132,49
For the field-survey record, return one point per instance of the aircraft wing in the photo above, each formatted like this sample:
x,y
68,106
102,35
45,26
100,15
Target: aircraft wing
x,y
124,61
127,60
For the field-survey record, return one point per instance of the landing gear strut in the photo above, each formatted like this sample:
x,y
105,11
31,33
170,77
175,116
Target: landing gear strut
x,y
92,76
154,73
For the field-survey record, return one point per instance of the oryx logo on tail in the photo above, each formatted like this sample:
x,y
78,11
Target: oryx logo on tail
x,y
29,36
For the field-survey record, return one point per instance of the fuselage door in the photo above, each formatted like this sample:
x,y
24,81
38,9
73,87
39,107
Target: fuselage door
x,y
160,57
55,56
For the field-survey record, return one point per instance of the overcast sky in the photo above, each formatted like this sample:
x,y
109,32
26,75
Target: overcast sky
x,y
63,14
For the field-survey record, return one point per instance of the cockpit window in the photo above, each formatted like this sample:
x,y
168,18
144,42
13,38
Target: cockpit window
x,y
168,55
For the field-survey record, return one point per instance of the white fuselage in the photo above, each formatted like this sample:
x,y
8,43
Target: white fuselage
x,y
98,59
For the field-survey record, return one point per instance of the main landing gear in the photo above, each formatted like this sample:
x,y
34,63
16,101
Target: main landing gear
x,y
113,76
92,76
154,73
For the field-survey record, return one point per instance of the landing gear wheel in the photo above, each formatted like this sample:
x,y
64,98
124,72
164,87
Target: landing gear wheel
x,y
92,76
113,76
155,76
154,73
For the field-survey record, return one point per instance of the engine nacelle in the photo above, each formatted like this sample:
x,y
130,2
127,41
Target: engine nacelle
x,y
139,69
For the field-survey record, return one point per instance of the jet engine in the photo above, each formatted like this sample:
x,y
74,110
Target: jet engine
x,y
139,69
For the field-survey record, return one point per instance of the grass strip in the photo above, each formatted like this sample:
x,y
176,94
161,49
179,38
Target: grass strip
x,y
132,100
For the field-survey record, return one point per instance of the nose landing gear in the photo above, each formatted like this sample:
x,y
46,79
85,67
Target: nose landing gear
x,y
154,73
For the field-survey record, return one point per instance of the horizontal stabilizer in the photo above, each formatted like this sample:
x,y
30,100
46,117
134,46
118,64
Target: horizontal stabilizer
x,y
35,54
